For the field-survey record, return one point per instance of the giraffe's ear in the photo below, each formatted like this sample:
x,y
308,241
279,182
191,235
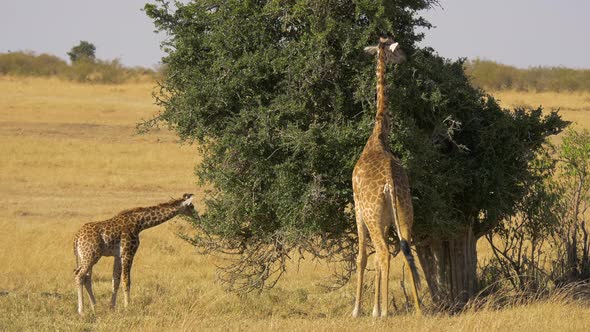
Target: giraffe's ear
x,y
371,50
393,46
188,199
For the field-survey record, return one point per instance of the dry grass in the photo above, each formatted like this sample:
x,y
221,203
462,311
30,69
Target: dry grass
x,y
70,155
573,106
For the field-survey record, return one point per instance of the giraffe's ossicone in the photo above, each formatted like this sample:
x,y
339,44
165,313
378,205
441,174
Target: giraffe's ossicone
x,y
119,237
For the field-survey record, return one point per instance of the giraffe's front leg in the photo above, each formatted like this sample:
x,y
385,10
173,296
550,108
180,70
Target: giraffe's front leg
x,y
126,263
116,280
129,245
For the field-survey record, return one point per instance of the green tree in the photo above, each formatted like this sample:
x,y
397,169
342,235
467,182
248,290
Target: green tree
x,y
519,245
551,215
280,98
82,51
572,239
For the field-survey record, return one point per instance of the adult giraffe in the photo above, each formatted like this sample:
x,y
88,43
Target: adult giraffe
x,y
382,195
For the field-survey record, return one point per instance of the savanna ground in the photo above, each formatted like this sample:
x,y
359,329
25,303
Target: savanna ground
x,y
70,155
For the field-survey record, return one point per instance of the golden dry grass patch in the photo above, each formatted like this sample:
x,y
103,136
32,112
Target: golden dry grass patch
x,y
573,106
49,100
71,155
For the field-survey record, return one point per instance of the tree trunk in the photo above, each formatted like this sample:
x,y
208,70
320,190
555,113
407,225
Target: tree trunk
x,y
450,269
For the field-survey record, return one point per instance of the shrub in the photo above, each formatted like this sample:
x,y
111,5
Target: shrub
x,y
494,76
29,64
83,70
546,244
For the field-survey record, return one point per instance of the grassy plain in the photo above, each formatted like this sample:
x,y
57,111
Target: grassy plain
x,y
69,155
573,106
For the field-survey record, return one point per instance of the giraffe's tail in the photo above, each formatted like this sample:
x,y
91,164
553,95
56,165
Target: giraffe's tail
x,y
404,243
77,269
405,248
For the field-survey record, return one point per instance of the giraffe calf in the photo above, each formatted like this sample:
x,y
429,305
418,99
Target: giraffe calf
x,y
119,237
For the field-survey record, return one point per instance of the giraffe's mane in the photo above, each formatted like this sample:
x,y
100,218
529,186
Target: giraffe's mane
x,y
148,208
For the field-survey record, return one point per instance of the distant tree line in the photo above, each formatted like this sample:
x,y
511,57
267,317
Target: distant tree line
x,y
491,75
84,51
84,66
486,74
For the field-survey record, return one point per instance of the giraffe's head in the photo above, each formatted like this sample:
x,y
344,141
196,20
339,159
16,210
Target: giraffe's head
x,y
186,205
390,50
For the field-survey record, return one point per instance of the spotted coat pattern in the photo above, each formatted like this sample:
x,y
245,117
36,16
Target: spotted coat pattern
x,y
119,237
382,195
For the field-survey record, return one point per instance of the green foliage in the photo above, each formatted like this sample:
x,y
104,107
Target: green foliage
x,y
469,158
546,243
97,71
575,153
280,97
82,52
520,242
573,241
491,75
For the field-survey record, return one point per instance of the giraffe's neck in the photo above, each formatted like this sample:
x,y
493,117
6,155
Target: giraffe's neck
x,y
156,215
381,129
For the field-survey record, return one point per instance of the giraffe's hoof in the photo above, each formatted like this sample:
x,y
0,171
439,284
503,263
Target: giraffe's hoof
x,y
376,313
355,313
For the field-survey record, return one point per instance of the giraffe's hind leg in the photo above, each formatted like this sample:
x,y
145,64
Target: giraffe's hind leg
x,y
83,275
382,259
88,285
361,262
385,263
80,279
377,285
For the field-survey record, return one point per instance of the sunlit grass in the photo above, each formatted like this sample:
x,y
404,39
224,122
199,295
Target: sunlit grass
x,y
573,106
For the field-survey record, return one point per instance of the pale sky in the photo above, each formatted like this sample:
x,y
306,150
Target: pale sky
x,y
522,33
516,32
